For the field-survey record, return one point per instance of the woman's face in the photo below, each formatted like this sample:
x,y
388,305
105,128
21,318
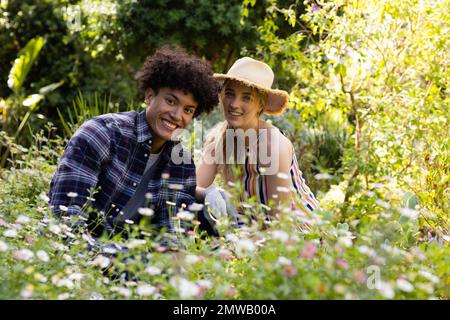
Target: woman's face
x,y
241,105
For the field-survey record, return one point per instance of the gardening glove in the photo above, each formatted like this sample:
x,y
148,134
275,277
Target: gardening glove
x,y
232,212
215,201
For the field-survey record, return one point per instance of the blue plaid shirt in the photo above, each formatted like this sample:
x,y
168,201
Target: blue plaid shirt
x,y
109,153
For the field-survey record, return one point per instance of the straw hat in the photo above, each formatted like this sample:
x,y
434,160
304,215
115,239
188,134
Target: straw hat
x,y
259,75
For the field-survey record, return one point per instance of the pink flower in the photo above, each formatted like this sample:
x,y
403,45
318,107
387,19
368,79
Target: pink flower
x,y
203,287
225,254
360,276
289,270
161,249
191,233
341,264
308,250
230,292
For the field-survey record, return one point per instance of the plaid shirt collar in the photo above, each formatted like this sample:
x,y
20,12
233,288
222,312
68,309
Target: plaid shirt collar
x,y
143,133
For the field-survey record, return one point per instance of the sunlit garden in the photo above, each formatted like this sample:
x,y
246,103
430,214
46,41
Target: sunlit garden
x,y
368,117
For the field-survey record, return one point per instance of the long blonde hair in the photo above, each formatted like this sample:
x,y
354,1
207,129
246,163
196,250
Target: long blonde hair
x,y
217,137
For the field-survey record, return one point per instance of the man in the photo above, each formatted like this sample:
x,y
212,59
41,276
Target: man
x,y
112,153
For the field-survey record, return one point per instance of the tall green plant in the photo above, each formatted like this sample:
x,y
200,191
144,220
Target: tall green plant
x,y
385,65
18,107
85,107
22,65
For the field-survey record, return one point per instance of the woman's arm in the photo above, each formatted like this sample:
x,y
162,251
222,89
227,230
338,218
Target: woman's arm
x,y
206,173
279,184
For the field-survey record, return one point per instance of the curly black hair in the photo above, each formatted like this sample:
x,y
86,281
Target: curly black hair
x,y
174,68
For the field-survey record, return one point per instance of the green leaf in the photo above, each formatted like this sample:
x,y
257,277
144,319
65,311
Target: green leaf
x,y
51,87
22,65
410,200
342,226
32,100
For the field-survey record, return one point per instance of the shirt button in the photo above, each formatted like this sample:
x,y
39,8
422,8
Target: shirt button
x,y
146,155
134,184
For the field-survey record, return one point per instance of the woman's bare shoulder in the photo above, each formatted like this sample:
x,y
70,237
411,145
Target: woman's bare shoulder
x,y
276,138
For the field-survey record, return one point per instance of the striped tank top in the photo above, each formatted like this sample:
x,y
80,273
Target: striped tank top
x,y
255,185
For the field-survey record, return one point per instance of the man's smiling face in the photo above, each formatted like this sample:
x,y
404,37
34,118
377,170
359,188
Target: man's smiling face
x,y
167,111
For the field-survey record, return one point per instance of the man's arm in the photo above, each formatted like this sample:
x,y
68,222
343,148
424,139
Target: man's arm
x,y
79,168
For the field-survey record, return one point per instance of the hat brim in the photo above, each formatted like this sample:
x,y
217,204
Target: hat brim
x,y
277,100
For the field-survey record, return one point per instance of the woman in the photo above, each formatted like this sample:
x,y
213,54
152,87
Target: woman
x,y
248,149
